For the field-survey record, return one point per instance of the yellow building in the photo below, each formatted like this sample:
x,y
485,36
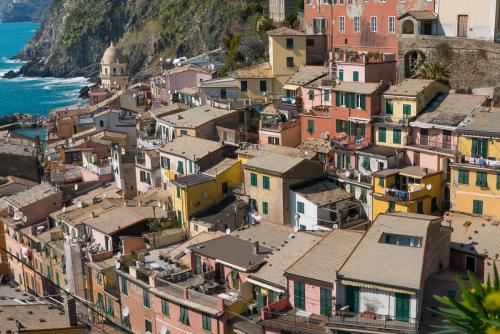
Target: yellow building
x,y
287,53
196,192
399,105
410,189
475,177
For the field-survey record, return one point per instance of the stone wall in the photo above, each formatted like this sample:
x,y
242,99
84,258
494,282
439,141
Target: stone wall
x,y
472,63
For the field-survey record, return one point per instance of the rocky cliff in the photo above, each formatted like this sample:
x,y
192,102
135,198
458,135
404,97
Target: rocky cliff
x,y
23,10
75,33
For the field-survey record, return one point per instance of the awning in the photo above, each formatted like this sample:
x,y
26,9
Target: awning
x,y
359,120
291,87
265,286
376,287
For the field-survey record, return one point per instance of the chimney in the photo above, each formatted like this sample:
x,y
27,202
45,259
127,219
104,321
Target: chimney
x,y
70,310
256,248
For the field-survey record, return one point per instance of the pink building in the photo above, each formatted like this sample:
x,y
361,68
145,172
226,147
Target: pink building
x,y
358,67
179,78
433,142
311,285
147,170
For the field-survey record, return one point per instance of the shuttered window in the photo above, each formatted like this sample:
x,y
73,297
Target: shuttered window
x,y
382,135
477,207
300,207
266,183
481,179
253,179
463,176
165,309
406,110
184,315
396,136
325,301
299,295
310,126
207,322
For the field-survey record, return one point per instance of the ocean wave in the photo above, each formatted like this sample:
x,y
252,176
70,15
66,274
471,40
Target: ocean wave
x,y
11,61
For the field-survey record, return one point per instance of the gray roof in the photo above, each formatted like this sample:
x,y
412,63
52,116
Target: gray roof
x,y
166,110
195,117
219,212
31,195
449,109
192,180
219,167
409,87
421,15
415,171
284,31
192,148
233,251
30,315
322,261
307,74
227,82
474,235
323,193
281,258
358,87
273,163
378,151
317,145
484,122
15,148
268,234
386,264
255,150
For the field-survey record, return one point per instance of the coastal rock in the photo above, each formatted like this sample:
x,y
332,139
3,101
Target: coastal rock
x,y
75,34
10,75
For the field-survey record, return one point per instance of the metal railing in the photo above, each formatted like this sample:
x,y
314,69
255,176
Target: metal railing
x,y
372,320
432,144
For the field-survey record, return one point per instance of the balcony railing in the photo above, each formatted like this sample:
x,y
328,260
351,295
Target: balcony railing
x,y
405,195
112,290
347,319
435,145
481,162
277,125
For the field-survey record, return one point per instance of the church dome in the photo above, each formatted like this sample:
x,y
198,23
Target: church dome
x,y
112,55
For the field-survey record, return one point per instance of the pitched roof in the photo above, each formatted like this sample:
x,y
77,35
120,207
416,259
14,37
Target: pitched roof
x,y
195,117
254,150
282,257
273,163
263,70
358,87
243,255
227,82
307,74
323,193
192,148
409,87
378,262
484,121
189,67
191,180
268,234
421,15
323,260
284,31
449,109
379,151
31,195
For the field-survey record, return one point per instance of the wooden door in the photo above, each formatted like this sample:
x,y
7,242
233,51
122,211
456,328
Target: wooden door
x,y
463,21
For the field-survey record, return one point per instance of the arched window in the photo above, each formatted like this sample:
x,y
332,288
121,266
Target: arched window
x,y
408,27
114,70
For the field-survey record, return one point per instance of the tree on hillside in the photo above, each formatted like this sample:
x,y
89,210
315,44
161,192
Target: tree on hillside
x,y
478,312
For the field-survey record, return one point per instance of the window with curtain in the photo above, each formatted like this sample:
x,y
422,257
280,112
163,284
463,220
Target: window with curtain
x,y
184,315
481,179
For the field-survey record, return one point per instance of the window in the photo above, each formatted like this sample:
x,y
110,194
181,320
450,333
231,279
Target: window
x,y
311,95
265,208
498,181
310,126
341,74
263,85
373,24
325,301
392,24
477,207
289,43
362,196
382,135
148,325
481,179
360,102
310,42
389,107
184,315
253,205
396,136
100,301
381,181
479,148
184,132
356,24
392,207
253,179
434,205
402,240
266,184
223,93
180,167
244,86
341,23
178,192
165,310
206,322
326,95
145,297
124,284
289,62
470,263
299,295
179,218
165,163
225,188
420,207
463,176
355,76
273,140
300,207
406,110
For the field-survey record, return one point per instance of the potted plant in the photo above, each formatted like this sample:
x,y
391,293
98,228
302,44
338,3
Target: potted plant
x,y
370,311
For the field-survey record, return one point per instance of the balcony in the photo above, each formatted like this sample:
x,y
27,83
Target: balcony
x,y
277,125
112,290
439,146
347,142
348,321
478,162
405,194
320,111
292,101
99,168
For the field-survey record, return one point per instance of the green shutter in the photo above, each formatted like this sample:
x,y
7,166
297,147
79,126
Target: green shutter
x,y
362,130
300,207
381,181
392,206
165,310
341,75
206,322
381,135
338,126
310,126
347,127
402,306
407,110
477,207
265,208
347,161
481,179
363,102
498,181
299,295
396,136
355,76
253,179
179,218
265,182
388,107
337,99
463,176
326,95
475,147
352,98
484,148
352,298
366,163
180,167
325,301
353,128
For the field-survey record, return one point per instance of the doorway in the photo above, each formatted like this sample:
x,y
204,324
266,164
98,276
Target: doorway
x,y
463,21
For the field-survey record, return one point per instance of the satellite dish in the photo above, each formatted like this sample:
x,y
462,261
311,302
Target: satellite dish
x,y
125,311
117,264
293,101
164,330
428,186
228,231
76,187
25,219
347,174
295,228
63,209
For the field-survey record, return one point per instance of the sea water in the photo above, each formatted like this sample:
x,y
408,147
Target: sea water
x,y
30,95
